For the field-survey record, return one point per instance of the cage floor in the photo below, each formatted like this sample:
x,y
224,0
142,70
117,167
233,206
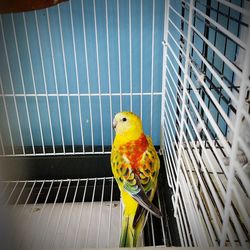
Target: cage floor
x,y
72,213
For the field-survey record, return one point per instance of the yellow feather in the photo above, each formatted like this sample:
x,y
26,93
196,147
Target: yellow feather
x,y
130,204
128,129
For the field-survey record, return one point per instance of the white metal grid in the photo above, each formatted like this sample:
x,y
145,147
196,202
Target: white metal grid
x,y
38,132
206,142
59,214
204,138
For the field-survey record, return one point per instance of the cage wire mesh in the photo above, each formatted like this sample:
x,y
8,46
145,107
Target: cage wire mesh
x,y
205,120
67,69
64,214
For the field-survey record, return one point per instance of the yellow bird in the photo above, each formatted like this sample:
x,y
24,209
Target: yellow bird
x,y
135,166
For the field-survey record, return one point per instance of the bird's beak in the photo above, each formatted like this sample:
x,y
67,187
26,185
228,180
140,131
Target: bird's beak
x,y
114,124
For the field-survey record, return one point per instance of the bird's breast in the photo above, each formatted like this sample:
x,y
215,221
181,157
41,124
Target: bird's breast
x,y
133,151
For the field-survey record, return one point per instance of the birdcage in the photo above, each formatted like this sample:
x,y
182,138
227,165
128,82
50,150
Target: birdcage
x,y
66,69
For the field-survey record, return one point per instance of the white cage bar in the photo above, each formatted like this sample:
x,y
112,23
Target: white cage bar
x,y
53,137
202,100
50,217
209,180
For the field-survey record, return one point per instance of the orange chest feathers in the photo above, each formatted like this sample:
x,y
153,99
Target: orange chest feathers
x,y
134,150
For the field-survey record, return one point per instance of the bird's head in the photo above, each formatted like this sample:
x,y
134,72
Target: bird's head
x,y
127,123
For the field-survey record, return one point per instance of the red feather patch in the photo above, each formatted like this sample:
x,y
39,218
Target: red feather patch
x,y
134,150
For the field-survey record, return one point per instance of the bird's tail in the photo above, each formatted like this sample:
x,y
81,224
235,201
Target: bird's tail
x,y
131,230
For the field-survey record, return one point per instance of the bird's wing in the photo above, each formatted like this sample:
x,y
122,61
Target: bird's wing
x,y
140,181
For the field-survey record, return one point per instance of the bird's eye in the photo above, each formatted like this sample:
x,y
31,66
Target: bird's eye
x,y
124,119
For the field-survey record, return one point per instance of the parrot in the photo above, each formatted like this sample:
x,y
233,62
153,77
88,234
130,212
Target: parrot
x,y
135,166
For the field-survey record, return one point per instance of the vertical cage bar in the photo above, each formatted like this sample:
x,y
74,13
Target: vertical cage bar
x,y
60,215
13,91
198,163
179,214
234,149
167,160
22,81
41,212
179,226
163,97
109,80
70,213
77,76
141,58
172,156
34,83
87,75
152,69
110,211
190,19
185,222
18,198
45,83
210,164
119,52
162,223
100,214
80,217
11,193
19,240
121,212
98,75
90,216
32,209
7,116
55,78
196,193
45,231
66,79
130,57
152,230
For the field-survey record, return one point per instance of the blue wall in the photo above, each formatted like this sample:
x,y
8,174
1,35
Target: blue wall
x,y
37,70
